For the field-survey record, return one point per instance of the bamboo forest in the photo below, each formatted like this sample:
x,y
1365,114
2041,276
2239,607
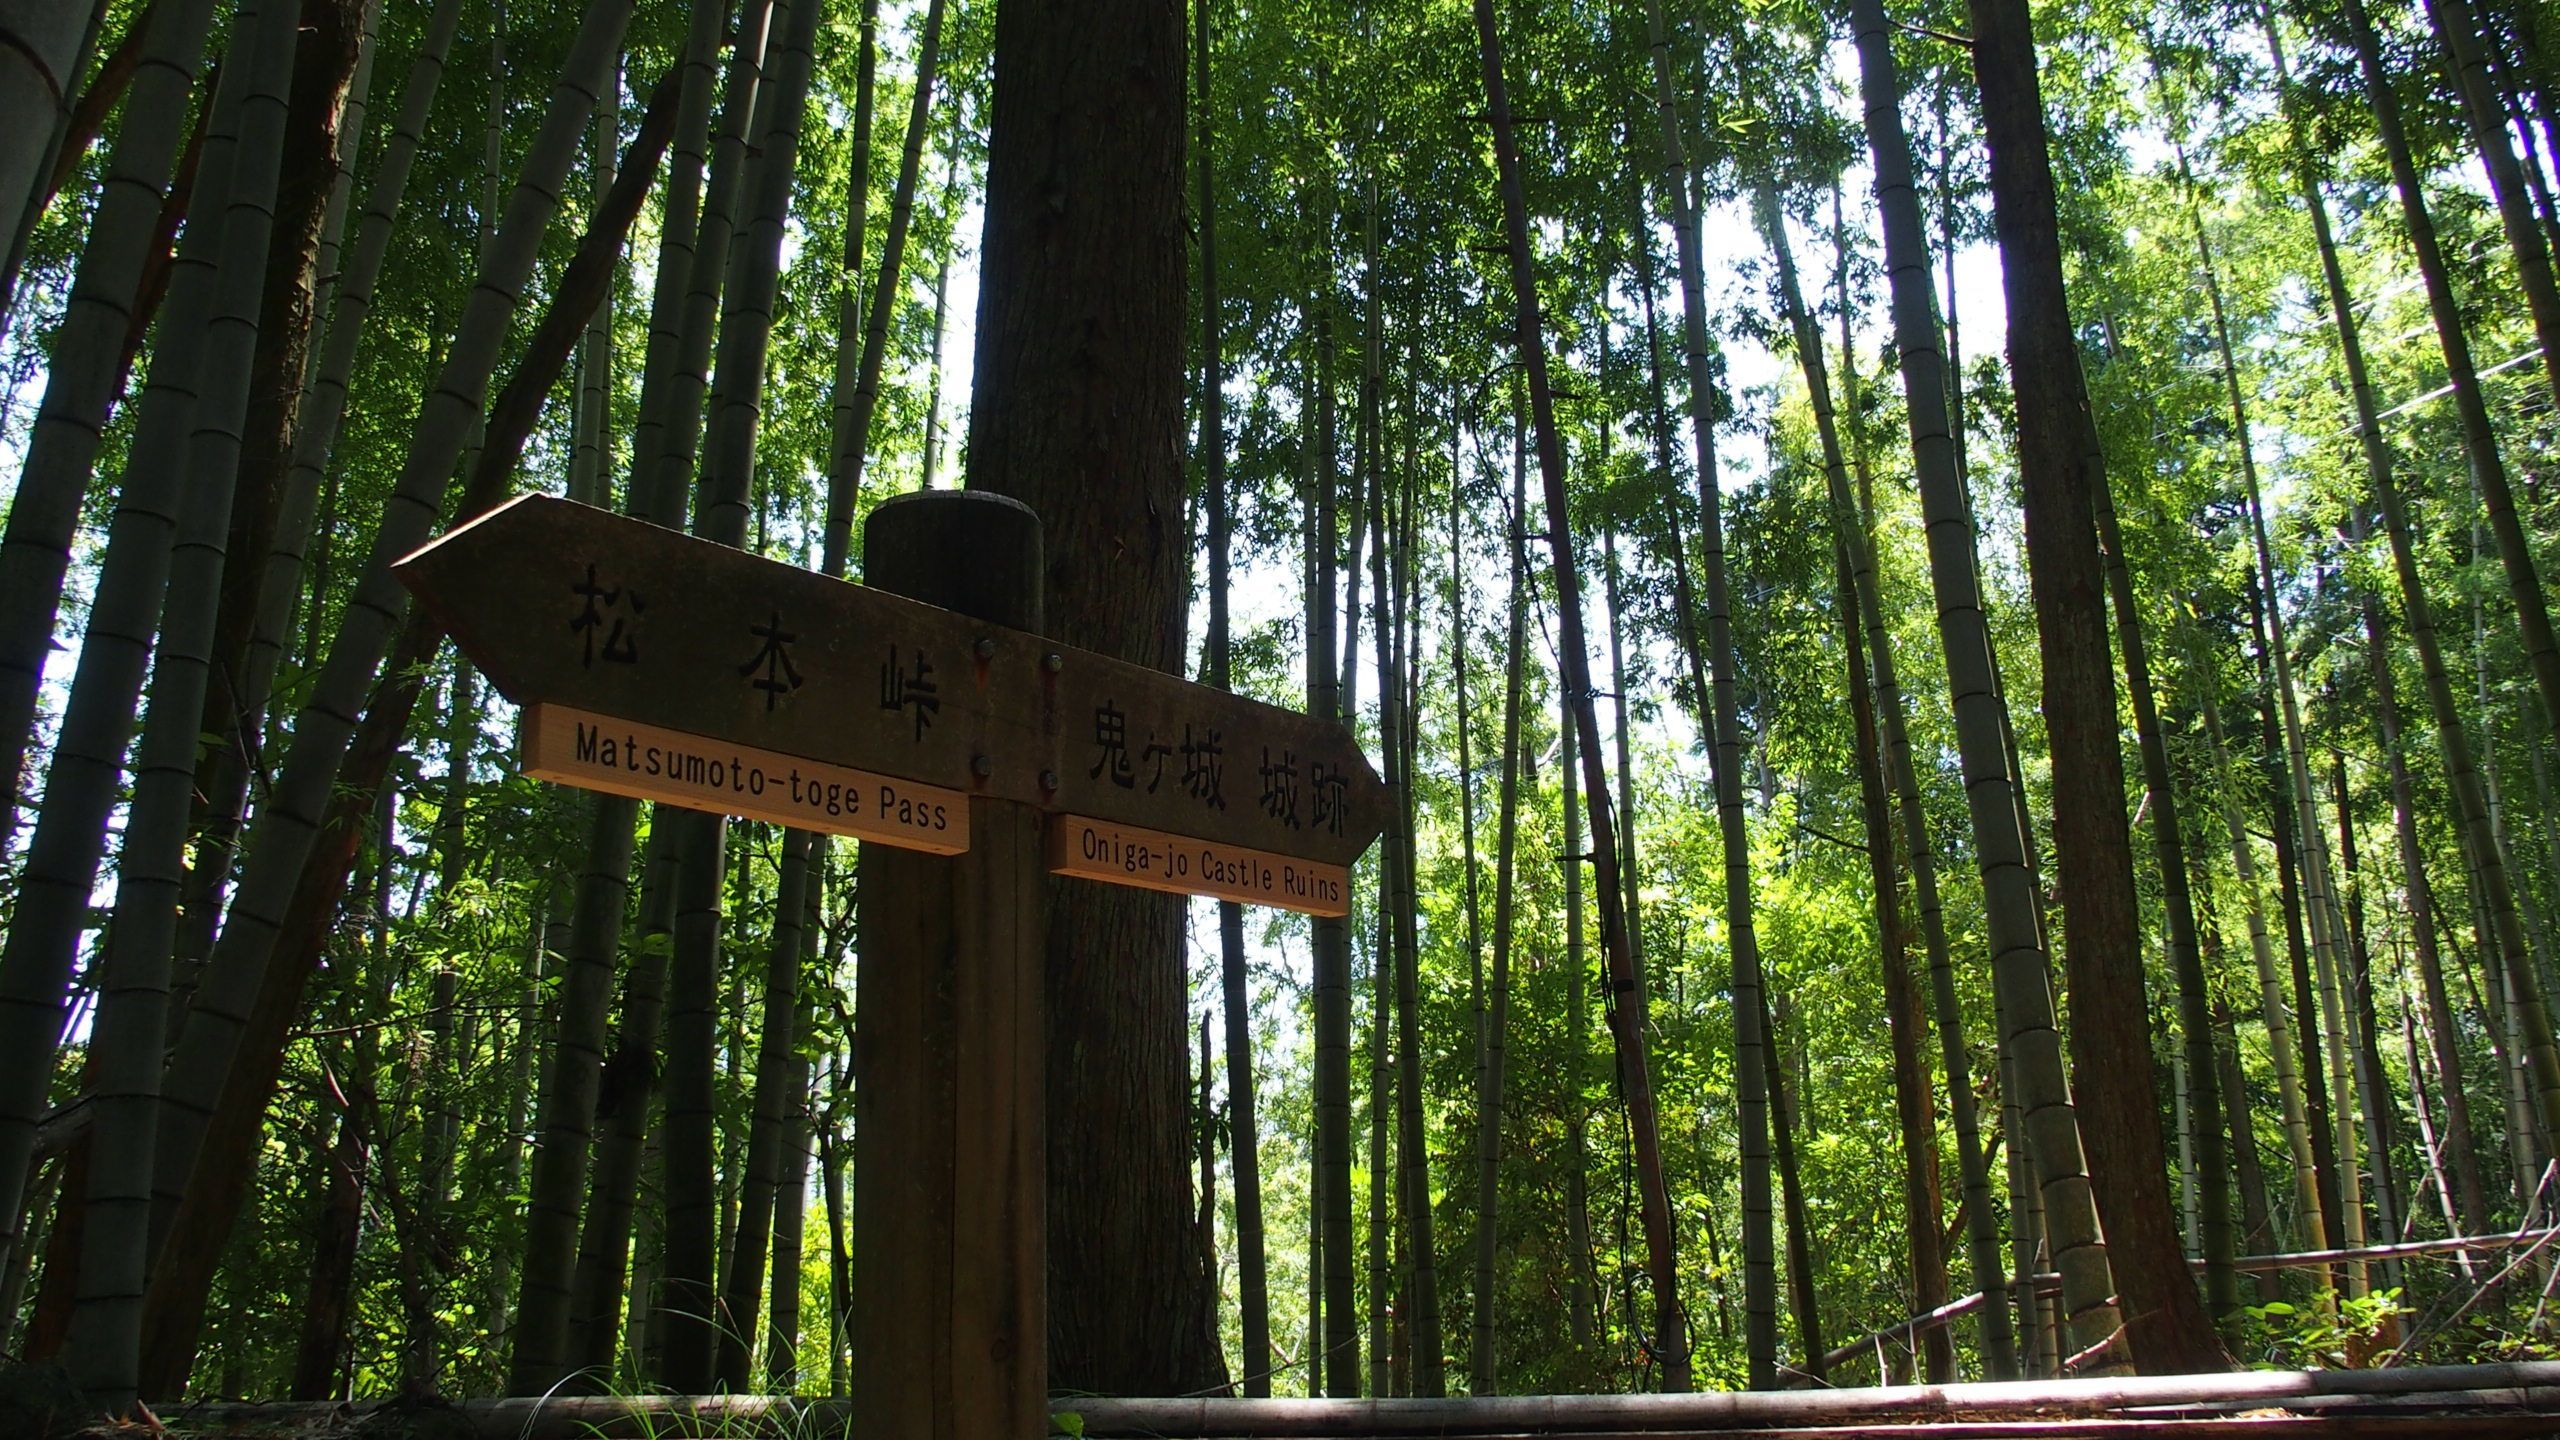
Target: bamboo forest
x,y
1938,612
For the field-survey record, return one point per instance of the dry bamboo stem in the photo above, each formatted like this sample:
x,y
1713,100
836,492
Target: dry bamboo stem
x,y
2297,1260
2437,1400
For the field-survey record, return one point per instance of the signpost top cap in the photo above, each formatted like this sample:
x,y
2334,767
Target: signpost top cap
x,y
909,545
948,498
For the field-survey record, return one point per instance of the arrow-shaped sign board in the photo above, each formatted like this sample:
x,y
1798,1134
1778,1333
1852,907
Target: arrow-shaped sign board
x,y
657,665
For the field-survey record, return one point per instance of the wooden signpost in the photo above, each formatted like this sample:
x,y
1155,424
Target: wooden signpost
x,y
657,665
925,715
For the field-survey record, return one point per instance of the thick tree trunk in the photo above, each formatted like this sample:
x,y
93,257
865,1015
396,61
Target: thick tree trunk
x,y
2061,468
2202,1092
2035,1083
331,74
1077,411
253,608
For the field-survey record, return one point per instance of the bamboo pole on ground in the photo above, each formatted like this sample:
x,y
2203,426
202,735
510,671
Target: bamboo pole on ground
x,y
2518,1398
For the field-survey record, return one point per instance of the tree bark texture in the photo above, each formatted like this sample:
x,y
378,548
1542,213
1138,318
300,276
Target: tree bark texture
x,y
2032,1078
2060,469
1077,411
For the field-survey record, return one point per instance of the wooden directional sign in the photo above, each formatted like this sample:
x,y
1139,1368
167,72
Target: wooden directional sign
x,y
654,664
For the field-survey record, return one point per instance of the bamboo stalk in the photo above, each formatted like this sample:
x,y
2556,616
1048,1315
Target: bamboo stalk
x,y
2516,1398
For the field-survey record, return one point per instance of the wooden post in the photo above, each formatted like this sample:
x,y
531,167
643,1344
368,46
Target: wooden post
x,y
950,1250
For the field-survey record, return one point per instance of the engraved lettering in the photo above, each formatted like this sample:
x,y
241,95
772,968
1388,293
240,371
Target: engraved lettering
x,y
915,689
1111,744
1204,766
1332,786
602,609
779,676
1280,786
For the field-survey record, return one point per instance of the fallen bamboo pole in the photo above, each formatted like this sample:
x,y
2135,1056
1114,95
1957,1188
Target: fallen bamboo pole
x,y
2502,1399
2530,1387
784,1421
1908,1329
2457,1244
